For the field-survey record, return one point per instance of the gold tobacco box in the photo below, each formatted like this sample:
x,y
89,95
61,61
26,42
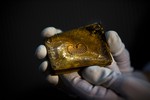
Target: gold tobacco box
x,y
77,48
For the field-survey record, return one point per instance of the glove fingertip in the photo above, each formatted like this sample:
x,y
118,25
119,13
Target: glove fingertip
x,y
58,31
111,36
111,32
41,52
48,32
43,66
53,80
115,43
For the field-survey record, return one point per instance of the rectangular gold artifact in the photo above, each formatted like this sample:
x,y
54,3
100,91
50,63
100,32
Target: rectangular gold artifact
x,y
78,48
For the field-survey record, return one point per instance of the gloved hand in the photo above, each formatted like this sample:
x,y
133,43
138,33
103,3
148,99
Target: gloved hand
x,y
116,81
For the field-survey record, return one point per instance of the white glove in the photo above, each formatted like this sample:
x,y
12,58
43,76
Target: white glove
x,y
99,82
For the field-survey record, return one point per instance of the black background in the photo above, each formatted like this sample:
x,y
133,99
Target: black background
x,y
23,21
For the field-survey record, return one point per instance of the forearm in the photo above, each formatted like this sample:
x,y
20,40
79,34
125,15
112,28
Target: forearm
x,y
132,88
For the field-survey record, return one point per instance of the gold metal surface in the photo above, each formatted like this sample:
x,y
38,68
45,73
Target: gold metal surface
x,y
78,48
